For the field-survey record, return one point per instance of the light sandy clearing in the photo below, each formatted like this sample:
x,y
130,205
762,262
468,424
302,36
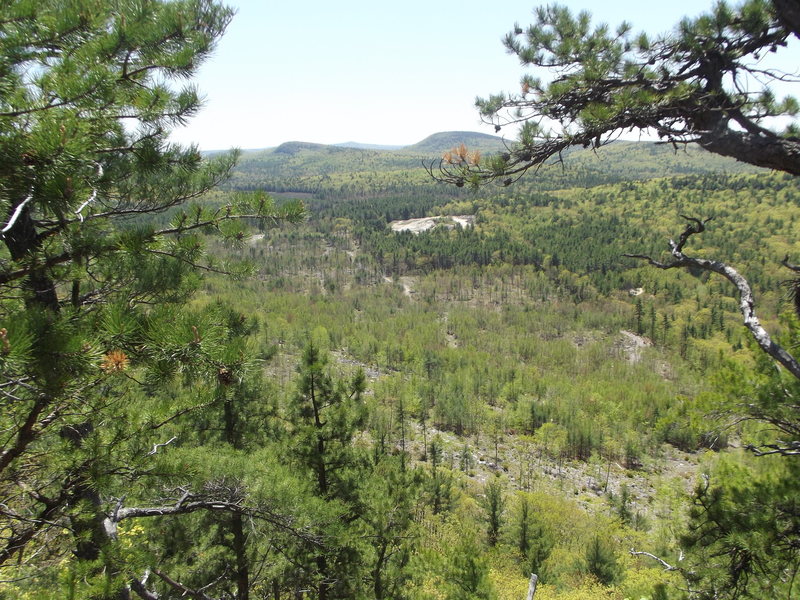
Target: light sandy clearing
x,y
426,223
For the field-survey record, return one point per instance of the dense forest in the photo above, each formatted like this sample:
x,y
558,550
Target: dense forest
x,y
260,376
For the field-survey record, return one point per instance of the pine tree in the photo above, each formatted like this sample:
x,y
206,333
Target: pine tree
x,y
533,540
494,505
467,574
601,562
639,312
389,496
97,349
326,413
607,80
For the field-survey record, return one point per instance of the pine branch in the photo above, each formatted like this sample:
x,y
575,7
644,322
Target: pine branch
x,y
684,87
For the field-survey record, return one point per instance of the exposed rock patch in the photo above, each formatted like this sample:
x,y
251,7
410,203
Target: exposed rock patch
x,y
427,223
632,345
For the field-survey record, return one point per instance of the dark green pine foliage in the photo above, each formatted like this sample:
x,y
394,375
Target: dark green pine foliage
x,y
743,531
97,347
494,504
601,561
391,498
467,573
236,423
439,484
639,311
326,414
745,515
532,539
606,80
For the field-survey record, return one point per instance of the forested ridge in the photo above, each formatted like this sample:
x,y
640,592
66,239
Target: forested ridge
x,y
349,172
230,376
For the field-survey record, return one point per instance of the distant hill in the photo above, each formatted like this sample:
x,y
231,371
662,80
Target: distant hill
x,y
439,143
295,147
634,161
360,146
344,171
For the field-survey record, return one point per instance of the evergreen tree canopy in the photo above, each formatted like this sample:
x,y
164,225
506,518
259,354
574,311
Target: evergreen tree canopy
x,y
90,91
97,345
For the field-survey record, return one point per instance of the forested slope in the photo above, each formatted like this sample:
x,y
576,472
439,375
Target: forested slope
x,y
334,171
208,392
527,353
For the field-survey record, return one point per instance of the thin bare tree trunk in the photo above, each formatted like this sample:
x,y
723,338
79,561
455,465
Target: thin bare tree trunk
x,y
532,585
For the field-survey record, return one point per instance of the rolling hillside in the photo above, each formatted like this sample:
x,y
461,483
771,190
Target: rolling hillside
x,y
339,171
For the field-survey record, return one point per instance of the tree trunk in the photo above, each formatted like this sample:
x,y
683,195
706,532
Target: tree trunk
x,y
242,565
324,586
377,572
22,240
789,14
532,585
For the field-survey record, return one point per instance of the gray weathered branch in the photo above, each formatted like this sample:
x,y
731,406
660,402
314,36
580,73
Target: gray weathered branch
x,y
665,564
789,449
139,586
217,500
532,586
746,298
185,591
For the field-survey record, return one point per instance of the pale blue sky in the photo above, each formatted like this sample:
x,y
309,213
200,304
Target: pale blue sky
x,y
372,71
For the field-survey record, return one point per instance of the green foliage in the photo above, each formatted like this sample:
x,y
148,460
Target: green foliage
x,y
389,500
529,346
601,561
494,504
326,414
533,540
152,422
467,573
103,362
743,521
742,525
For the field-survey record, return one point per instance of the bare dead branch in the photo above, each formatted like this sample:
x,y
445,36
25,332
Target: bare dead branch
x,y
791,449
785,262
665,564
142,591
746,297
92,196
217,498
157,446
697,226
